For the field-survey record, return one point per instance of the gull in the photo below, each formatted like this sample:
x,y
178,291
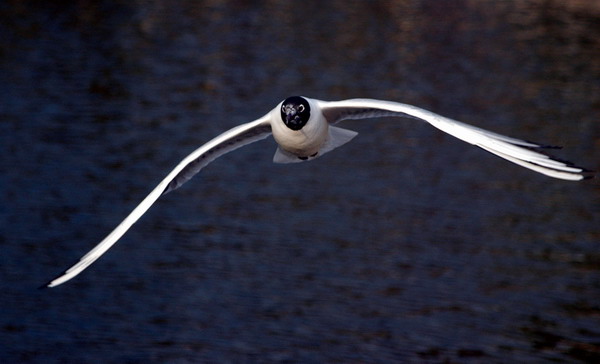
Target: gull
x,y
303,129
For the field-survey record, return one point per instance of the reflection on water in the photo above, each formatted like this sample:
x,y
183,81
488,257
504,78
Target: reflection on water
x,y
404,245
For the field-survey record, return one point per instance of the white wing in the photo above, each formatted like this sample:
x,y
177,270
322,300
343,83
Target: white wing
x,y
192,164
511,149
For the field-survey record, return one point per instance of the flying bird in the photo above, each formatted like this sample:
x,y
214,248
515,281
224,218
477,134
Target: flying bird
x,y
303,129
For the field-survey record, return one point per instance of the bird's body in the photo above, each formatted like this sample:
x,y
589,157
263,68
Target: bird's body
x,y
305,141
303,129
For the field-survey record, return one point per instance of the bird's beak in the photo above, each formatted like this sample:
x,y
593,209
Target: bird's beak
x,y
290,114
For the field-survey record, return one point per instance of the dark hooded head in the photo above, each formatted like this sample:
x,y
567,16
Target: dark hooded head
x,y
295,112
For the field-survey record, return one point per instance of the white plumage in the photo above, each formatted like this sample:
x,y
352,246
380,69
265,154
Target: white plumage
x,y
303,130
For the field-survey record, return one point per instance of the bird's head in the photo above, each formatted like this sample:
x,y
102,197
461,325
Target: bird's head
x,y
295,112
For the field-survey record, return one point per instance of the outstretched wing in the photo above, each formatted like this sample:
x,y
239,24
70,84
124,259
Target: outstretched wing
x,y
515,150
192,164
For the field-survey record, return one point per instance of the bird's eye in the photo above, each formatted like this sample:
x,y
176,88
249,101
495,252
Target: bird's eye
x,y
300,108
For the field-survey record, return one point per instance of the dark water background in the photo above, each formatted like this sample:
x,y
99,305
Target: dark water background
x,y
405,245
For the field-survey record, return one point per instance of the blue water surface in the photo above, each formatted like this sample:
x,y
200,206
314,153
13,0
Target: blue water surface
x,y
405,245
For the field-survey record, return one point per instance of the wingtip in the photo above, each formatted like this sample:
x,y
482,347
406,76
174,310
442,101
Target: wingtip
x,y
588,171
55,282
46,285
587,174
584,173
548,146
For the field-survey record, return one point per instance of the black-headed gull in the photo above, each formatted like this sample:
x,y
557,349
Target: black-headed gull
x,y
303,130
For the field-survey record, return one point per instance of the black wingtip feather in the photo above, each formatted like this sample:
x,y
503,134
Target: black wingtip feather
x,y
548,146
588,174
543,146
